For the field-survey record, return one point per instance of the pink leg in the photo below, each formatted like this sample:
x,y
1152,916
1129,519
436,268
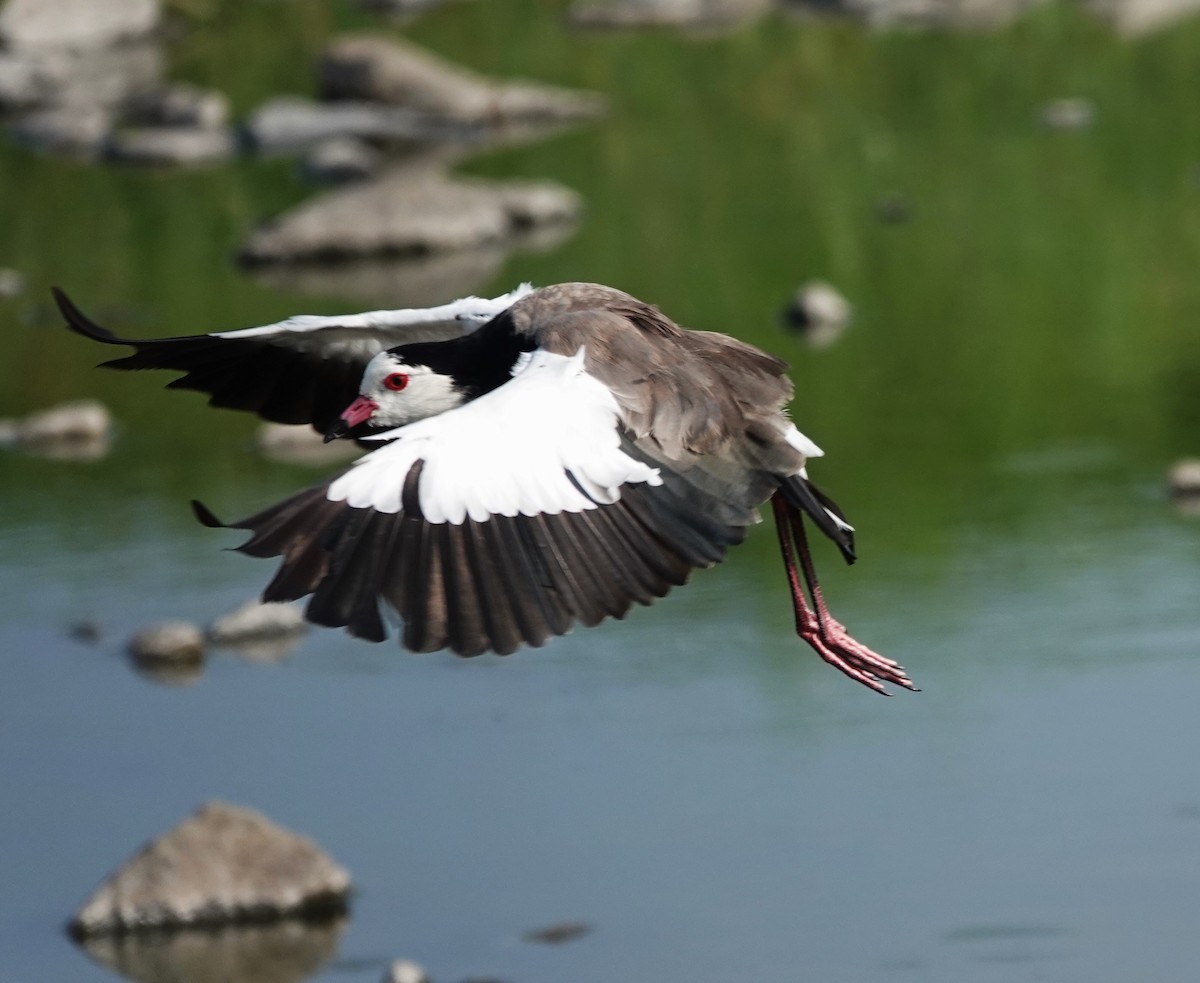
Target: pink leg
x,y
818,627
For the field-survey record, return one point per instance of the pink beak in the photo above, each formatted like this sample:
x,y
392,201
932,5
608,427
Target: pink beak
x,y
357,412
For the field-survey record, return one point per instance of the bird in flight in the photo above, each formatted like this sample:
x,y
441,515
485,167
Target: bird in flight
x,y
542,458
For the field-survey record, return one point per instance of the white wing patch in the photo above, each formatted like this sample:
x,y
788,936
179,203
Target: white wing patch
x,y
802,443
513,451
475,309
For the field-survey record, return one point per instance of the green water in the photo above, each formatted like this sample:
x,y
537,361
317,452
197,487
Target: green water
x,y
1023,365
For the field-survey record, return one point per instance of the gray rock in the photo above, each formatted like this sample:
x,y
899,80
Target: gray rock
x,y
408,210
24,81
289,123
667,13
404,971
72,130
301,444
256,621
952,14
12,283
179,105
1184,478
1133,18
83,420
108,77
223,865
75,23
283,952
1068,114
392,71
171,145
341,160
819,312
169,642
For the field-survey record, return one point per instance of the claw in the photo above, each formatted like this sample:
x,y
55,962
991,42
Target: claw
x,y
827,636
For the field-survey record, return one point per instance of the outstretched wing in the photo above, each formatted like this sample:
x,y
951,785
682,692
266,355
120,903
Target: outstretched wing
x,y
305,369
496,524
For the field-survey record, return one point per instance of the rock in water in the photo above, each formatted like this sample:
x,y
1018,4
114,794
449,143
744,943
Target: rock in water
x,y
172,642
223,865
75,23
404,971
389,70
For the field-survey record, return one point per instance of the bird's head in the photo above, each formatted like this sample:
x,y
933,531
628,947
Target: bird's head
x,y
394,393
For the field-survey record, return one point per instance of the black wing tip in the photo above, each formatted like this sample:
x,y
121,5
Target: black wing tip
x,y
205,516
79,322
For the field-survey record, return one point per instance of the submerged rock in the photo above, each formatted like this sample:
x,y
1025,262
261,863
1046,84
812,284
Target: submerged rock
x,y
388,70
223,865
86,630
409,210
558,933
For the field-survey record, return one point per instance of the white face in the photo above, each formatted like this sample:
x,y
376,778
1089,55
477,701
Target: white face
x,y
405,393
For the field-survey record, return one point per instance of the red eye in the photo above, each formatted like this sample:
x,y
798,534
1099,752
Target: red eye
x,y
396,381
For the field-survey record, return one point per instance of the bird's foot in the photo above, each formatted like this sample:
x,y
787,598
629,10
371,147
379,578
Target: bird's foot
x,y
836,646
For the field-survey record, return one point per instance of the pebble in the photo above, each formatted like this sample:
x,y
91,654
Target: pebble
x,y
404,971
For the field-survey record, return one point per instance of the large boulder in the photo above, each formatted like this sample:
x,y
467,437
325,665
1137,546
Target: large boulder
x,y
223,865
389,70
75,23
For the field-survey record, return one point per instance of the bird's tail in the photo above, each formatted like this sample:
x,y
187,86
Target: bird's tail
x,y
800,493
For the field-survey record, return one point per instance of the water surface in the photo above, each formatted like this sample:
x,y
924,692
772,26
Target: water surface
x,y
692,783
